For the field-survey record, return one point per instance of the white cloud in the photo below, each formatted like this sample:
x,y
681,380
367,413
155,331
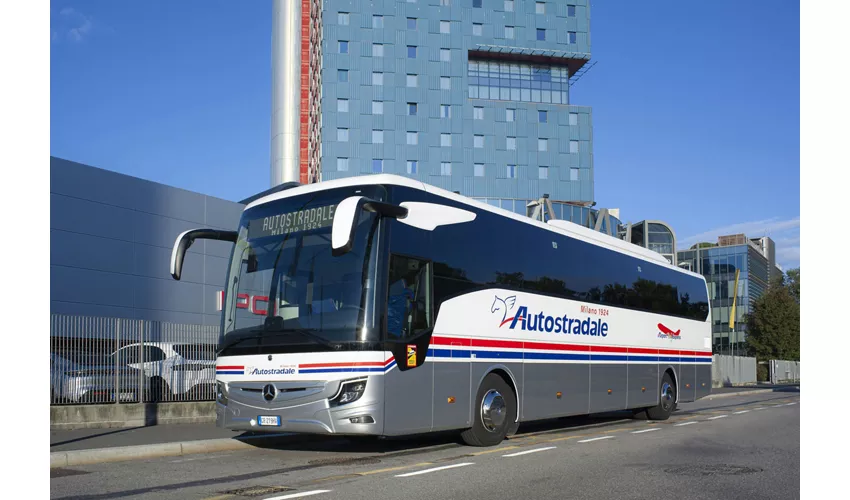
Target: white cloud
x,y
67,11
73,24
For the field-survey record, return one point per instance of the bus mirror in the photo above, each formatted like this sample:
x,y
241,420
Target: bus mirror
x,y
186,238
347,214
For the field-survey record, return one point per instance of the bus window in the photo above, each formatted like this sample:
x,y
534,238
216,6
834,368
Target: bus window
x,y
409,299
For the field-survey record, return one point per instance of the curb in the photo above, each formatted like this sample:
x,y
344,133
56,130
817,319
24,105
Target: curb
x,y
744,393
145,451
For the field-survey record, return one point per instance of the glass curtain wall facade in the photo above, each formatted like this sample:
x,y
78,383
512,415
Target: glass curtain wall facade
x,y
719,264
468,95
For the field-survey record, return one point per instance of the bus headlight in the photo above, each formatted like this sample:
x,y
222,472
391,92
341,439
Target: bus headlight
x,y
221,392
349,392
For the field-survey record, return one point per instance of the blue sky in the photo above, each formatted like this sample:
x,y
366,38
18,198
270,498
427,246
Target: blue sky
x,y
696,105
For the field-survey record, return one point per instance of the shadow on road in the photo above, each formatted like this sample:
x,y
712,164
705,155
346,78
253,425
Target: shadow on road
x,y
92,436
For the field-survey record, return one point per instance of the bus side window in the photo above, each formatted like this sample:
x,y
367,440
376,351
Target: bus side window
x,y
409,309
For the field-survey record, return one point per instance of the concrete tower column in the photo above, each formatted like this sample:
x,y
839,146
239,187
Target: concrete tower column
x,y
286,87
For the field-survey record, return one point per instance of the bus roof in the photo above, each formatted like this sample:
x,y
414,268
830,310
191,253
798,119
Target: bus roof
x,y
558,226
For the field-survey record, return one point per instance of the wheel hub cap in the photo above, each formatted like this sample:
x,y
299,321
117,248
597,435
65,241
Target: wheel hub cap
x,y
666,396
493,410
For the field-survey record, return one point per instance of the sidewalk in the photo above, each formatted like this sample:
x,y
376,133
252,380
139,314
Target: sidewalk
x,y
87,439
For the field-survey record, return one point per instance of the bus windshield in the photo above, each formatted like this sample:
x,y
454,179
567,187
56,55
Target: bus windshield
x,y
286,292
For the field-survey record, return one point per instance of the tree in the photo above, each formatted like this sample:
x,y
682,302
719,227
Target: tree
x,y
774,325
793,278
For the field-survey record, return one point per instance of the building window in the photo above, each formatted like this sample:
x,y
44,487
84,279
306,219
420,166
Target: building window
x,y
445,55
478,113
411,108
541,34
572,36
445,111
518,81
377,137
445,168
476,4
478,141
542,116
540,8
342,18
377,21
342,134
543,172
411,23
412,81
412,166
445,140
476,29
377,78
342,164
343,46
412,138
445,83
478,170
445,27
377,50
342,76
571,11
573,174
510,115
573,119
342,105
377,166
542,144
509,32
509,5
377,107
511,173
511,143
411,52
573,147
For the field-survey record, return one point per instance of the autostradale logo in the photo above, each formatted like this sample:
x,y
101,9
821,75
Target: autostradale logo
x,y
667,333
541,322
283,370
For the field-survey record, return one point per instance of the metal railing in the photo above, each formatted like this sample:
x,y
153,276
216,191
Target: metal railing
x,y
97,360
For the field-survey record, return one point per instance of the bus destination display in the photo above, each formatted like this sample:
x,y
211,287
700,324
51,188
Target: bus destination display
x,y
292,222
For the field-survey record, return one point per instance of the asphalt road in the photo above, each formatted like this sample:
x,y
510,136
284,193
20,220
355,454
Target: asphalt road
x,y
744,447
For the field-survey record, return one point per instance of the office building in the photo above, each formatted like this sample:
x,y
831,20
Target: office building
x,y
754,262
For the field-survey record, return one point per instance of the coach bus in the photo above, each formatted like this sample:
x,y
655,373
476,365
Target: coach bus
x,y
379,305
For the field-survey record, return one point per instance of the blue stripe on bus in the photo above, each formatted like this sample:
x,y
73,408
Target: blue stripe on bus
x,y
341,370
229,372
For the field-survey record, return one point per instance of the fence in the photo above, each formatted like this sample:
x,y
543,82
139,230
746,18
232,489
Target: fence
x,y
96,360
732,370
784,371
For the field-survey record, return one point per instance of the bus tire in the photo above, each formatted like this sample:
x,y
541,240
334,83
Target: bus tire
x,y
494,412
667,401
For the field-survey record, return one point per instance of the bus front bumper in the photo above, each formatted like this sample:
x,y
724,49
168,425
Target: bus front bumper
x,y
245,409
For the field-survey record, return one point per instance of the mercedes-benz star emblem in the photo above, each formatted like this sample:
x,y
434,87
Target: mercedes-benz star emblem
x,y
269,392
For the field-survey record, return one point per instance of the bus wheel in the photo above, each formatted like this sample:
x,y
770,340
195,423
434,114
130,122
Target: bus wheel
x,y
667,404
494,412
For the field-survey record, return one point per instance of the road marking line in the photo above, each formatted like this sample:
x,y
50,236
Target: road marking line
x,y
435,469
299,495
393,469
776,406
646,430
684,423
494,451
596,439
566,438
529,451
741,412
789,404
760,408
718,416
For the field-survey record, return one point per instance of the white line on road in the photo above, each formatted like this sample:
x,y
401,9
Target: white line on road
x,y
789,404
435,469
299,495
760,408
595,439
741,412
716,417
683,423
529,451
646,430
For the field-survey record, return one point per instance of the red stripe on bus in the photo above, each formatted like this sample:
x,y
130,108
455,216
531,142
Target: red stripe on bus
x,y
380,364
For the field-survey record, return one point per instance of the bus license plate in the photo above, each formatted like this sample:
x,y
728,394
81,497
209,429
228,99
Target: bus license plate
x,y
269,421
